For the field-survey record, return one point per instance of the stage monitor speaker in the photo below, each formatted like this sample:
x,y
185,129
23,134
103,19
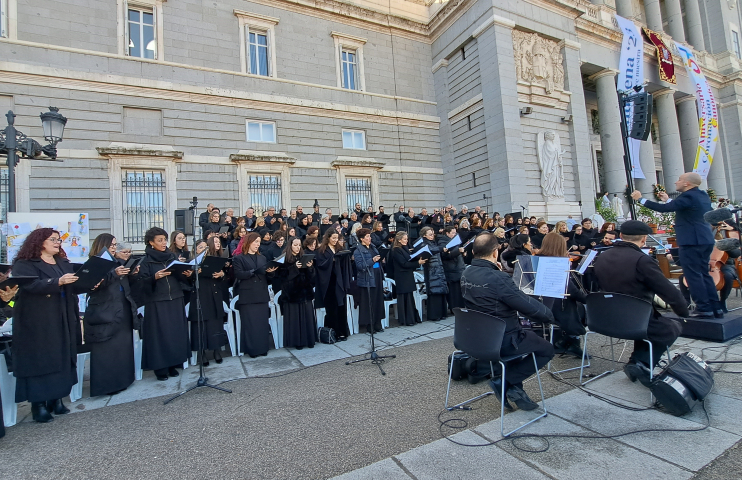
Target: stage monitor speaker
x,y
184,221
642,124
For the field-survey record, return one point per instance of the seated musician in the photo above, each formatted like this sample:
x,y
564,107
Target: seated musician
x,y
487,289
626,269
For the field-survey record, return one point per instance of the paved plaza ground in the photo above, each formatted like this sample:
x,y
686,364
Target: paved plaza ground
x,y
306,415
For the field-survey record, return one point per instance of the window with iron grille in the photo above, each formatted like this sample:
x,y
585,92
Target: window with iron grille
x,y
265,191
358,190
144,202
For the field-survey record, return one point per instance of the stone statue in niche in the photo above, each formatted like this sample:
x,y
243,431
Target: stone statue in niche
x,y
550,160
538,61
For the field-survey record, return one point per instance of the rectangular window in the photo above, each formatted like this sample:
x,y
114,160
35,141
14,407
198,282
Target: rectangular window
x,y
144,203
354,139
735,43
468,122
141,28
473,179
358,190
349,61
258,52
265,191
4,18
261,131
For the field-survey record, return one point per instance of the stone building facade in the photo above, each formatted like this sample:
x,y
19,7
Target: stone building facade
x,y
413,102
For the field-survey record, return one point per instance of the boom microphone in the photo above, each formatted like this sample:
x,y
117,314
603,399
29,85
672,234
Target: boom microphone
x,y
718,215
727,244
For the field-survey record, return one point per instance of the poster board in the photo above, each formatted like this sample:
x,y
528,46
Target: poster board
x,y
72,227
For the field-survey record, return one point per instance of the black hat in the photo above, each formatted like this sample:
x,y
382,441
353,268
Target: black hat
x,y
635,227
263,231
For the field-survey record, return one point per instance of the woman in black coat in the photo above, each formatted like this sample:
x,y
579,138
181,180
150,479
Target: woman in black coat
x,y
211,295
370,280
164,327
110,318
333,283
519,245
541,230
46,323
453,267
404,278
251,272
179,246
297,293
435,277
214,226
580,242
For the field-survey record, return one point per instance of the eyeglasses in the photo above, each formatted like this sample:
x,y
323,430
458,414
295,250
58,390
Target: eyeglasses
x,y
55,240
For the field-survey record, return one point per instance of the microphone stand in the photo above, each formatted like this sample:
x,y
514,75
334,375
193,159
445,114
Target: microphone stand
x,y
374,357
202,380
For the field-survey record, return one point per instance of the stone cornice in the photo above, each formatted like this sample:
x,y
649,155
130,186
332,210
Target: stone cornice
x,y
135,150
440,64
357,162
686,98
603,73
264,157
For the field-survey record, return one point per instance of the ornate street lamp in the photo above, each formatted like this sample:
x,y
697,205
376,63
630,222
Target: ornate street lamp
x,y
15,143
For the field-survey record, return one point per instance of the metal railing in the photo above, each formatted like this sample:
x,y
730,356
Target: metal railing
x,y
144,203
358,190
265,191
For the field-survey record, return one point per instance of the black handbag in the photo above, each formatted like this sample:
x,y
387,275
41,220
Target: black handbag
x,y
685,381
326,335
459,371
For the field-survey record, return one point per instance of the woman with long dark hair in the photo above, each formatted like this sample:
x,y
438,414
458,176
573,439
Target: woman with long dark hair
x,y
179,246
332,283
436,286
520,244
541,230
46,325
251,272
211,295
404,278
370,280
296,299
110,318
239,232
453,267
164,327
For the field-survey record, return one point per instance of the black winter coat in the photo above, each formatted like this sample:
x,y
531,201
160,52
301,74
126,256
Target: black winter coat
x,y
46,319
453,260
324,264
107,308
435,276
404,268
166,288
252,279
296,284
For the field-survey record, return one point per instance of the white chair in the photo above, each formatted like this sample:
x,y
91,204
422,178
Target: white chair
x,y
237,323
7,390
138,346
389,285
320,315
76,392
352,313
82,302
276,322
229,328
419,297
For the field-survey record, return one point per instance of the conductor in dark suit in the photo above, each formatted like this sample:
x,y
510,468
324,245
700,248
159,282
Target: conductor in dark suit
x,y
624,268
694,238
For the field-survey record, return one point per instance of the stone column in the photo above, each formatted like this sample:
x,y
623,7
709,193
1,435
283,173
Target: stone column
x,y
672,153
695,28
675,20
611,140
501,113
579,130
688,127
625,8
653,14
646,160
440,80
717,177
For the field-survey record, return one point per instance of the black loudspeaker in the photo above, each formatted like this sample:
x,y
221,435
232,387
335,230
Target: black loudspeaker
x,y
642,125
184,221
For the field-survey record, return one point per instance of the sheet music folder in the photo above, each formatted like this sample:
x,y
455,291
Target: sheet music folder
x,y
13,281
212,265
93,271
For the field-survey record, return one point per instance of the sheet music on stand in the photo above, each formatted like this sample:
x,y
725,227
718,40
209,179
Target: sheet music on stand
x,y
586,261
524,274
552,277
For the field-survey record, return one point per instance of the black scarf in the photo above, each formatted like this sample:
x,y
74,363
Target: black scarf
x,y
162,257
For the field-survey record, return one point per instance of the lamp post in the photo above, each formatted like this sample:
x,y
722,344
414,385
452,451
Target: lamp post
x,y
15,143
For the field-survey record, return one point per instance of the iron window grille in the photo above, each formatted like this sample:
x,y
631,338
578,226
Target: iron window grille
x,y
144,203
265,191
358,190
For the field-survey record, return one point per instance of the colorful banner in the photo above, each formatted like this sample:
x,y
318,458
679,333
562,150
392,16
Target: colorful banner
x,y
664,56
631,74
708,115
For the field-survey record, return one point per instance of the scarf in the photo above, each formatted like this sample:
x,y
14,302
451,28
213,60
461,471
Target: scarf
x,y
158,256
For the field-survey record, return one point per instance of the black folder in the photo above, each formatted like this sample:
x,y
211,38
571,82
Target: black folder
x,y
324,228
279,261
212,265
306,258
178,267
134,262
93,271
224,229
5,268
13,281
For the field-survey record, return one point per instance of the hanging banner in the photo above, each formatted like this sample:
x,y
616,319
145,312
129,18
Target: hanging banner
x,y
664,56
708,115
631,74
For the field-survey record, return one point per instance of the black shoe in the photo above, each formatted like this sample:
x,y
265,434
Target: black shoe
x,y
173,372
496,385
300,348
218,356
573,347
341,339
40,413
719,314
723,306
378,330
162,378
699,314
638,371
520,398
57,407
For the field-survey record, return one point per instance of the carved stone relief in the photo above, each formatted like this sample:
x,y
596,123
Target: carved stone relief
x,y
539,68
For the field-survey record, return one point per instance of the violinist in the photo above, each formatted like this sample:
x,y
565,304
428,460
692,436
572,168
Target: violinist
x,y
579,242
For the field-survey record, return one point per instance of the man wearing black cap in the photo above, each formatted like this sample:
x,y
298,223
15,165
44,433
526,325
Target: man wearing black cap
x,y
626,269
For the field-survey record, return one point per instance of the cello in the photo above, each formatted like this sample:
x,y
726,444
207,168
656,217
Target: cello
x,y
717,259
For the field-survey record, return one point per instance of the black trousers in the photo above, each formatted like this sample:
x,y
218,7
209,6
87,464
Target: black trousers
x,y
519,370
695,262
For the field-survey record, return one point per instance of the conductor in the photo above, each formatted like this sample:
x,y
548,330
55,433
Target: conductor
x,y
626,269
694,238
487,289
